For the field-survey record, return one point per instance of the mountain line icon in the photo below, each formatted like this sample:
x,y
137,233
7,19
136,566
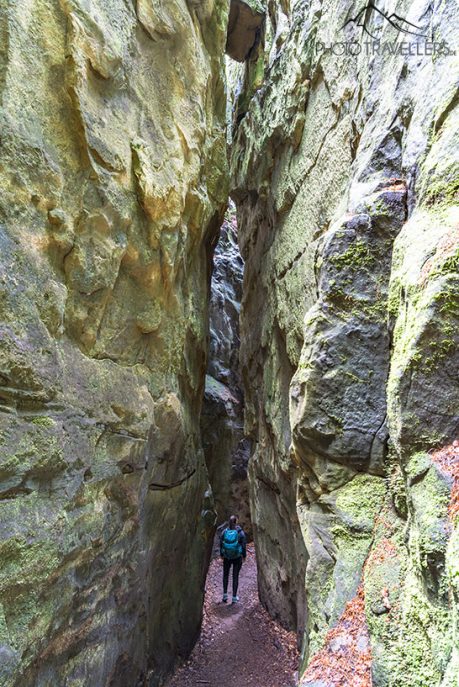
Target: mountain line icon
x,y
400,23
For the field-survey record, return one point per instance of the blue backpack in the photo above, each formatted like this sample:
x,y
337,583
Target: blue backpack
x,y
230,544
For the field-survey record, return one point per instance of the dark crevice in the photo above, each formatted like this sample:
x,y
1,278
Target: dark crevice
x,y
157,486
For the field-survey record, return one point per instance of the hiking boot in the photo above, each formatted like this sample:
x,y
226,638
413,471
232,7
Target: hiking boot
x,y
225,598
235,599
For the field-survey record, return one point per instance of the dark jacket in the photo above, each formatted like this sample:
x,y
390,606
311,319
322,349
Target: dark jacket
x,y
241,539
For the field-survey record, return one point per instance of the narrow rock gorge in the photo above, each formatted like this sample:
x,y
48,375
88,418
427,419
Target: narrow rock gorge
x,y
145,366
226,448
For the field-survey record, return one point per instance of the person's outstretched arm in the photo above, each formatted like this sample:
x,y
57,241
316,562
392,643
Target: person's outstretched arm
x,y
221,543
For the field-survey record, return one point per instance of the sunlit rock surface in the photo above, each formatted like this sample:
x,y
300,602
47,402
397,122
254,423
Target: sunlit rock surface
x,y
345,172
113,176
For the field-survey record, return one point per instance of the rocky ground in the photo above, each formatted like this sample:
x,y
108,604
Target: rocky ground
x,y
239,645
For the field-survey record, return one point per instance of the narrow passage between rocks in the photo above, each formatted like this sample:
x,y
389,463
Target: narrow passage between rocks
x,y
240,644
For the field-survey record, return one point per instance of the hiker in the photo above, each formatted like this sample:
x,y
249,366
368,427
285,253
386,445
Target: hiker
x,y
232,550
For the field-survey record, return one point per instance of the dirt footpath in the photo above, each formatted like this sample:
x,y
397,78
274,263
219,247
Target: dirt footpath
x,y
240,646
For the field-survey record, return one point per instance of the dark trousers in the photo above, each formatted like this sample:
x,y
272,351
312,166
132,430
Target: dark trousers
x,y
237,565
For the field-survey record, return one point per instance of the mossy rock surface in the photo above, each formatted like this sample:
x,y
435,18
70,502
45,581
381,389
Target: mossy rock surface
x,y
114,183
344,171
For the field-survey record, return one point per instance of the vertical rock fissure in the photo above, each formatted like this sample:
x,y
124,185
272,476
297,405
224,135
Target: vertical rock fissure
x,y
226,447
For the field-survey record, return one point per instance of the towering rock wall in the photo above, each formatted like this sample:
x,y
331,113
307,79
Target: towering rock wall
x,y
226,448
113,176
345,172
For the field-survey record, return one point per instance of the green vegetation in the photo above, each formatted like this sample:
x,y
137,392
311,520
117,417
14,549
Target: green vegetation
x,y
361,499
356,257
445,191
43,421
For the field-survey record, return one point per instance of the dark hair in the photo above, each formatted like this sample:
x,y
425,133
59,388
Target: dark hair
x,y
232,522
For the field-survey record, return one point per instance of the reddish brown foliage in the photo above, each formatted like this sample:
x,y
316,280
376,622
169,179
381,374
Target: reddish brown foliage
x,y
384,553
345,658
383,523
446,247
447,459
396,185
384,550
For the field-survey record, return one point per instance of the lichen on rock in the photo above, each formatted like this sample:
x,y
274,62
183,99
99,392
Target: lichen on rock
x,y
344,172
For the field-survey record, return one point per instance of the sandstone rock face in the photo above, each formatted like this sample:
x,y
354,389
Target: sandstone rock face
x,y
345,172
226,448
113,174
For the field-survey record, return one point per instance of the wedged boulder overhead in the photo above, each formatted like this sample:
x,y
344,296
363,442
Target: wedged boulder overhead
x,y
113,175
246,19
